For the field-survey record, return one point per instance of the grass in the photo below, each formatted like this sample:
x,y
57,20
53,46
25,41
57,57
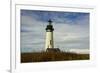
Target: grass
x,y
52,56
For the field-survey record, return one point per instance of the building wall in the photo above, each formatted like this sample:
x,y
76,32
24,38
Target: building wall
x,y
49,40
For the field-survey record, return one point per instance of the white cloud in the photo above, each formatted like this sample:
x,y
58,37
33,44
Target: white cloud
x,y
82,51
71,36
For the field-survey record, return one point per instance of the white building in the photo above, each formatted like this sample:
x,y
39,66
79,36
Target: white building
x,y
49,44
49,36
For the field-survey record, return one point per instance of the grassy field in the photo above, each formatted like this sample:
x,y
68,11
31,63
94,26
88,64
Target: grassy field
x,y
52,56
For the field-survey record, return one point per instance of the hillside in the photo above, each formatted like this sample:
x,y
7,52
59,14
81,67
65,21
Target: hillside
x,y
52,56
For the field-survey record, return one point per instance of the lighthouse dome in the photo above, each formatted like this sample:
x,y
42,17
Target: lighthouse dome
x,y
49,27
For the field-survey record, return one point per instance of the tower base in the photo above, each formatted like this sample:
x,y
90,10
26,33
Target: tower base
x,y
52,50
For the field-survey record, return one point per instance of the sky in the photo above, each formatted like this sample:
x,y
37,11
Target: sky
x,y
71,30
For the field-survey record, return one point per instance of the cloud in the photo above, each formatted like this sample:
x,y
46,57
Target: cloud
x,y
71,30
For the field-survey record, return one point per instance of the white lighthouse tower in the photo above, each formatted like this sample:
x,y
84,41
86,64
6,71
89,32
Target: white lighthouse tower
x,y
49,36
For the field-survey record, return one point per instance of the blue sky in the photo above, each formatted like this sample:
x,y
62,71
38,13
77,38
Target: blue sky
x,y
71,30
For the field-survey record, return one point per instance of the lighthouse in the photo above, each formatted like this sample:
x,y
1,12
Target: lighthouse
x,y
49,36
49,41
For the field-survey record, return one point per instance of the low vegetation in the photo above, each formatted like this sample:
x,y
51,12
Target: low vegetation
x,y
52,56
